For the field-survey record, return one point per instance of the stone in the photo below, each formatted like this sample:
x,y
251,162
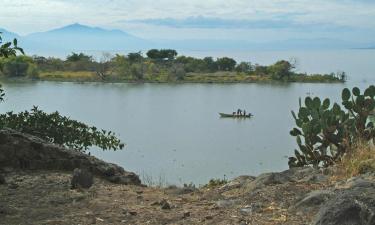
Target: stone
x,y
252,208
27,152
186,215
355,206
237,182
2,180
313,200
81,179
164,204
226,203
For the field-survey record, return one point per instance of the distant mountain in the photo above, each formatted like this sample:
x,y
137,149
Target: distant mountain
x,y
77,37
94,40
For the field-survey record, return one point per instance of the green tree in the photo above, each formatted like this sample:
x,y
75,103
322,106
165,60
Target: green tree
x,y
18,66
226,64
8,49
163,54
244,67
281,70
135,57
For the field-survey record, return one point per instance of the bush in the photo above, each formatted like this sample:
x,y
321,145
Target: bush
x,y
60,130
18,66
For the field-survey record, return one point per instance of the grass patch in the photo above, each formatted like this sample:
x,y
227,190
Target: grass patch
x,y
68,75
358,161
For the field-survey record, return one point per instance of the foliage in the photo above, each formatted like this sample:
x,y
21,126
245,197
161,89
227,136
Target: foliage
x,y
358,161
8,49
324,134
162,54
51,127
135,57
281,69
60,130
244,67
18,66
216,182
226,64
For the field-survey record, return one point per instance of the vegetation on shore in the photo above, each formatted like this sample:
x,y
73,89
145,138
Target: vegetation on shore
x,y
159,66
51,127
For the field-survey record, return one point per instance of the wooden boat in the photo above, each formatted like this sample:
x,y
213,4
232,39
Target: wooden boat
x,y
235,115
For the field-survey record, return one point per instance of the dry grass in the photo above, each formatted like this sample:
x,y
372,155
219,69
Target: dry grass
x,y
360,160
67,75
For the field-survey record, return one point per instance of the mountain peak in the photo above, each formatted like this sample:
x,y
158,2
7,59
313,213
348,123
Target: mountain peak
x,y
85,29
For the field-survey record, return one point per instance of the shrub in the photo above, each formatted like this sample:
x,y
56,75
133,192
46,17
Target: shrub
x,y
60,130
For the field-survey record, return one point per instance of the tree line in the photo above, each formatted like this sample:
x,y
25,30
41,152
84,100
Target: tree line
x,y
137,66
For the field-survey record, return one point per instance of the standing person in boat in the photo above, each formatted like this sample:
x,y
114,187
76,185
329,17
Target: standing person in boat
x,y
244,112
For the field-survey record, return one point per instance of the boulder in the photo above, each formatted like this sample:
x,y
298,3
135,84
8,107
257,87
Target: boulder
x,y
27,152
313,200
81,179
355,206
2,180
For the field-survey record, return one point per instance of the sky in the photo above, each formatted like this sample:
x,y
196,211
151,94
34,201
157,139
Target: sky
x,y
351,20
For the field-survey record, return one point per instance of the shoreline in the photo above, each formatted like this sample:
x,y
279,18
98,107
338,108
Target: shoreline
x,y
118,81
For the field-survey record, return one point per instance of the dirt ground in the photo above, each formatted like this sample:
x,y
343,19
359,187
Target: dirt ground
x,y
45,197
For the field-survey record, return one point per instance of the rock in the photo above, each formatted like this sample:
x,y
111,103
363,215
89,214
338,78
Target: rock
x,y
226,203
267,179
313,200
81,179
250,209
2,180
13,186
237,182
186,189
186,215
23,151
353,182
355,206
164,204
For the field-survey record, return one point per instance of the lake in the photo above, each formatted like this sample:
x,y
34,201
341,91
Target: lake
x,y
174,133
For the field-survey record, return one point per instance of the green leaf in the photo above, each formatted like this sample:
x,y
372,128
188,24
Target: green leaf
x,y
308,102
356,91
345,94
326,103
316,103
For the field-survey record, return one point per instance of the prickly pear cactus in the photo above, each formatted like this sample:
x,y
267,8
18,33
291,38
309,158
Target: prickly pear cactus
x,y
361,107
320,133
324,132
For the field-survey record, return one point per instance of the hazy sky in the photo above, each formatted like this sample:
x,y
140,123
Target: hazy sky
x,y
227,19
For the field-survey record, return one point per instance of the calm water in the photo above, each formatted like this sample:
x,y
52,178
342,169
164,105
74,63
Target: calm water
x,y
174,133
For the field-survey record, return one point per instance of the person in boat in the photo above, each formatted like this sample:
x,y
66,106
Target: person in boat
x,y
244,112
239,112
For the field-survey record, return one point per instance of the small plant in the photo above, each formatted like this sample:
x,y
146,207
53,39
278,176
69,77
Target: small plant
x,y
324,134
216,182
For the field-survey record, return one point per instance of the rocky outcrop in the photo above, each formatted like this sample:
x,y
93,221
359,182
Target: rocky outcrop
x,y
81,179
23,151
355,206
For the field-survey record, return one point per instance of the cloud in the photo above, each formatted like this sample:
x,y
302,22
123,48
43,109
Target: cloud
x,y
25,16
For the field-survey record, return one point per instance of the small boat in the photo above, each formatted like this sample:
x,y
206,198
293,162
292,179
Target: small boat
x,y
235,115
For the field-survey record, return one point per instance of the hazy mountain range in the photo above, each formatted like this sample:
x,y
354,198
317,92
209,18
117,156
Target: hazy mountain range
x,y
77,37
